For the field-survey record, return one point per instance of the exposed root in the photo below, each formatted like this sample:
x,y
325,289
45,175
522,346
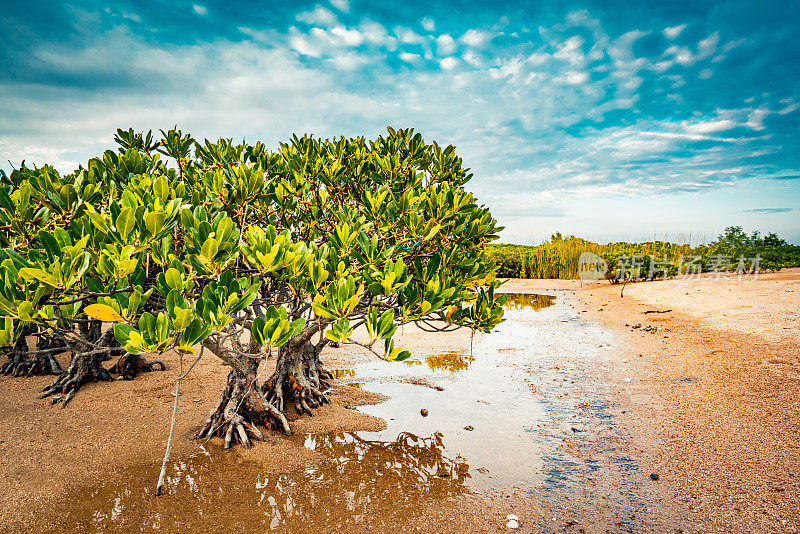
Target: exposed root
x,y
21,362
83,369
299,378
130,365
241,406
22,365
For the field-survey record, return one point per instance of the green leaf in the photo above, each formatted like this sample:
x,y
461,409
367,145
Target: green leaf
x,y
209,249
182,320
126,267
155,221
147,326
161,188
426,306
257,330
29,273
174,279
99,222
122,331
126,221
50,245
195,333
322,311
25,311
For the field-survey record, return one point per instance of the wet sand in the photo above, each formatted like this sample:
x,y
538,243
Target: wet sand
x,y
712,408
712,390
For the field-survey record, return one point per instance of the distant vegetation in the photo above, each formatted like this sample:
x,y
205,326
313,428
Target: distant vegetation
x,y
559,257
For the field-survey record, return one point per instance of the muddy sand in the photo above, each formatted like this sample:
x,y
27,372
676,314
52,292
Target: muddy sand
x,y
571,406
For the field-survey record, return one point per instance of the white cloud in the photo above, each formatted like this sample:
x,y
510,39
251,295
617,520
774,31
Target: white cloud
x,y
472,58
428,24
705,49
511,67
445,45
200,10
681,55
576,78
348,37
320,16
705,74
707,127
302,44
341,5
408,36
318,42
662,66
475,38
674,31
376,34
136,18
755,121
707,46
571,51
349,61
448,63
538,58
409,58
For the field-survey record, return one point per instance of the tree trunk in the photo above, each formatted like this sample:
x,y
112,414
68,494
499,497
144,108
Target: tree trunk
x,y
299,378
21,362
241,406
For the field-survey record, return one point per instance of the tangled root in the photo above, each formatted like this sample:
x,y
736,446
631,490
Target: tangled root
x,y
131,365
240,407
82,370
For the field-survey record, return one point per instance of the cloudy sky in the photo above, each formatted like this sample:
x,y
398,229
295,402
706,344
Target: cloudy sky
x,y
667,120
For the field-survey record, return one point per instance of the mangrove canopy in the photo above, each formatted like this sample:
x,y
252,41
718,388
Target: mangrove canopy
x,y
240,251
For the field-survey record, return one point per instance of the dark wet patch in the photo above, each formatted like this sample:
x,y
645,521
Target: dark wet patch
x,y
686,380
588,465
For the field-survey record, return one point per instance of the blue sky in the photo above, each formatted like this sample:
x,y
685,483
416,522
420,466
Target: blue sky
x,y
606,120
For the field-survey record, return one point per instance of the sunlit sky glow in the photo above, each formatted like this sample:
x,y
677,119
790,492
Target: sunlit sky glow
x,y
662,120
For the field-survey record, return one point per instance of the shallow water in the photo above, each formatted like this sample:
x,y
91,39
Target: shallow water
x,y
524,392
214,490
483,390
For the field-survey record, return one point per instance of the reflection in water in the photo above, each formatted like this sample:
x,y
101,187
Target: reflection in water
x,y
363,482
535,301
452,361
408,459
